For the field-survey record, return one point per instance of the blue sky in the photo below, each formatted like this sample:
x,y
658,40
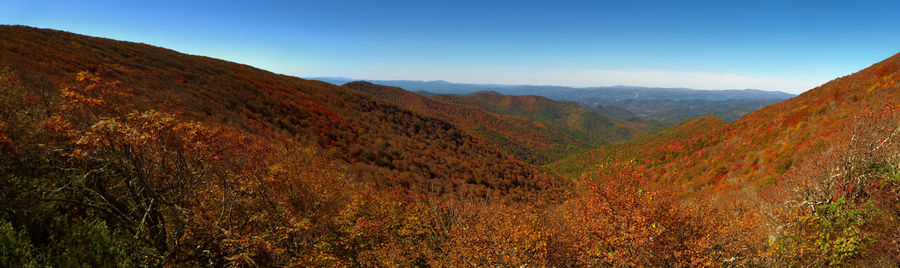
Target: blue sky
x,y
790,46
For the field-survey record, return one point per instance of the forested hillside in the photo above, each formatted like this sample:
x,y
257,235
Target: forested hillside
x,y
122,154
658,147
571,116
383,143
676,111
820,169
532,128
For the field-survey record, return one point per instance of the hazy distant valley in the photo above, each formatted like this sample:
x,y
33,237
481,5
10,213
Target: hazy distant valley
x,y
668,105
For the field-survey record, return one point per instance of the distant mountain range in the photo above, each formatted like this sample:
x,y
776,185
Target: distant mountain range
x,y
671,105
610,93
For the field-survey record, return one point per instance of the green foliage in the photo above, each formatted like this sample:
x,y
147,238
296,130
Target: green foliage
x,y
85,243
677,111
783,165
653,149
767,181
831,234
15,248
72,242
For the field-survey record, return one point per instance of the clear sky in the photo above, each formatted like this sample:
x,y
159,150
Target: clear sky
x,y
783,45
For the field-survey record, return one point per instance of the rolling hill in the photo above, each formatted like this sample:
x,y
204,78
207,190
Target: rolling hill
x,y
670,105
532,128
611,93
118,153
815,176
525,139
675,111
758,148
383,143
762,146
559,114
613,112
657,147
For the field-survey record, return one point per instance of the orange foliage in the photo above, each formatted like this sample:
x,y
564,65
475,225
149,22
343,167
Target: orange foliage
x,y
620,222
193,161
382,143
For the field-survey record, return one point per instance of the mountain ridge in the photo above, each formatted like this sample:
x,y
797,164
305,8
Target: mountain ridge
x,y
534,128
800,125
271,105
446,87
671,105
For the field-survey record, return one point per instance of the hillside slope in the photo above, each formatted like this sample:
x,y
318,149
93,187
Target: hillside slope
x,y
383,143
756,150
762,146
613,112
558,114
813,180
675,111
532,128
526,140
657,147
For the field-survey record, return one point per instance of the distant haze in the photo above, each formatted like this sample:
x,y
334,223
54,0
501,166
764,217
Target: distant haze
x,y
670,105
606,78
609,93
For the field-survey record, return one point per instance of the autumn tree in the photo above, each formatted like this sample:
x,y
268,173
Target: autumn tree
x,y
620,222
